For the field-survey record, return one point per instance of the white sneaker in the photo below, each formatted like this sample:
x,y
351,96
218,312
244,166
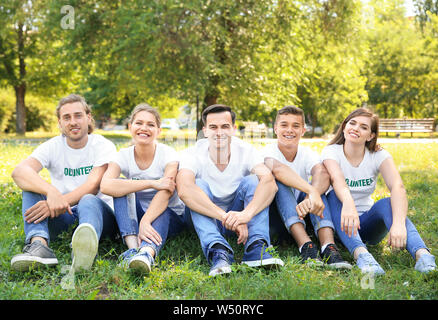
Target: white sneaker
x,y
141,262
84,244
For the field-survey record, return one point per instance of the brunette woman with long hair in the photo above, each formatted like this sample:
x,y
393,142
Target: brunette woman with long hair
x,y
354,160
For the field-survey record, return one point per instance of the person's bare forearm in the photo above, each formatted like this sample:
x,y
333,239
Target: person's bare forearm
x,y
91,186
320,178
196,199
122,187
289,177
157,206
399,205
263,195
27,179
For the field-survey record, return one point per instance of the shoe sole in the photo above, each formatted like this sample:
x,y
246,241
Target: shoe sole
x,y
24,263
219,271
272,262
339,265
313,263
85,245
426,270
372,271
140,264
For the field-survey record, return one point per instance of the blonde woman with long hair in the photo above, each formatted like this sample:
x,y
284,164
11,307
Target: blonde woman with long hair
x,y
150,168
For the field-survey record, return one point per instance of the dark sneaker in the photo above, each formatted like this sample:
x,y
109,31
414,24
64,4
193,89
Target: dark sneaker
x,y
141,262
221,261
333,258
84,244
257,255
34,254
309,255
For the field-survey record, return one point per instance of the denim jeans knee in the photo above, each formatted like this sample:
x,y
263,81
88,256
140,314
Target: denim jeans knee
x,y
286,206
49,227
126,216
96,212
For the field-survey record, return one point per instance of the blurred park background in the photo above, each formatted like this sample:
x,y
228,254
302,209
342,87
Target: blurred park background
x,y
325,56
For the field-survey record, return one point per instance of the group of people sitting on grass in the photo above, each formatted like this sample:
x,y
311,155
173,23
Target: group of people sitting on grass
x,y
221,187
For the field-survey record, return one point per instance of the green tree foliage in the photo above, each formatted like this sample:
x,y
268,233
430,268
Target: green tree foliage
x,y
17,42
254,55
30,60
138,50
326,56
423,10
401,65
331,83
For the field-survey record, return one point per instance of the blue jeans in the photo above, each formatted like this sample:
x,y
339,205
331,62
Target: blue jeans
x,y
167,224
90,209
286,203
374,225
211,231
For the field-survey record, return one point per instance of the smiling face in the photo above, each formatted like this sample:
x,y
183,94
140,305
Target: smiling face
x,y
289,129
358,130
144,128
219,129
73,122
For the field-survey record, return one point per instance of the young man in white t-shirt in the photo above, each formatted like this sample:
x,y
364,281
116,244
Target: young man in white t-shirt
x,y
228,189
293,167
76,161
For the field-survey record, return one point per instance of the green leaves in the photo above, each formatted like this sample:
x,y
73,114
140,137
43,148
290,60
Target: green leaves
x,y
327,57
400,67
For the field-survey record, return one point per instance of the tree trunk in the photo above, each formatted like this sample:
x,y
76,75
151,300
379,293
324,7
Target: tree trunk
x,y
20,109
20,88
385,111
313,121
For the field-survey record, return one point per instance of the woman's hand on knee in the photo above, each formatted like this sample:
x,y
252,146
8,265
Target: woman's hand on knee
x,y
397,237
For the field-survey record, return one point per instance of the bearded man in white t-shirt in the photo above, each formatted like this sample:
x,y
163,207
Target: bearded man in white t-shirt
x,y
294,166
76,161
228,189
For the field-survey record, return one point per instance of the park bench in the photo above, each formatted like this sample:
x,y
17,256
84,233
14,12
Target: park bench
x,y
406,125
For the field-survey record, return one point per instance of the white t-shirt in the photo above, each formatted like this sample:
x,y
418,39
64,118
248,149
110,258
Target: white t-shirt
x,y
304,161
69,168
223,184
164,154
362,179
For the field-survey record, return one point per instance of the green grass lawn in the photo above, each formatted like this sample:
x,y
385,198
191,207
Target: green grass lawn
x,y
182,271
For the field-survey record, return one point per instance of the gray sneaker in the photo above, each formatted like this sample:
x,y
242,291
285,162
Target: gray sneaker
x,y
34,254
367,264
425,263
142,262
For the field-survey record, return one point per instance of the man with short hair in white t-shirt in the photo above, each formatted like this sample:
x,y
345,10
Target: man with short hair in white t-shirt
x,y
76,161
294,166
228,189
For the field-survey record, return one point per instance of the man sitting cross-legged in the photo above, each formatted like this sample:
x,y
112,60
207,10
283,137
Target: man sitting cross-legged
x,y
228,189
76,161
